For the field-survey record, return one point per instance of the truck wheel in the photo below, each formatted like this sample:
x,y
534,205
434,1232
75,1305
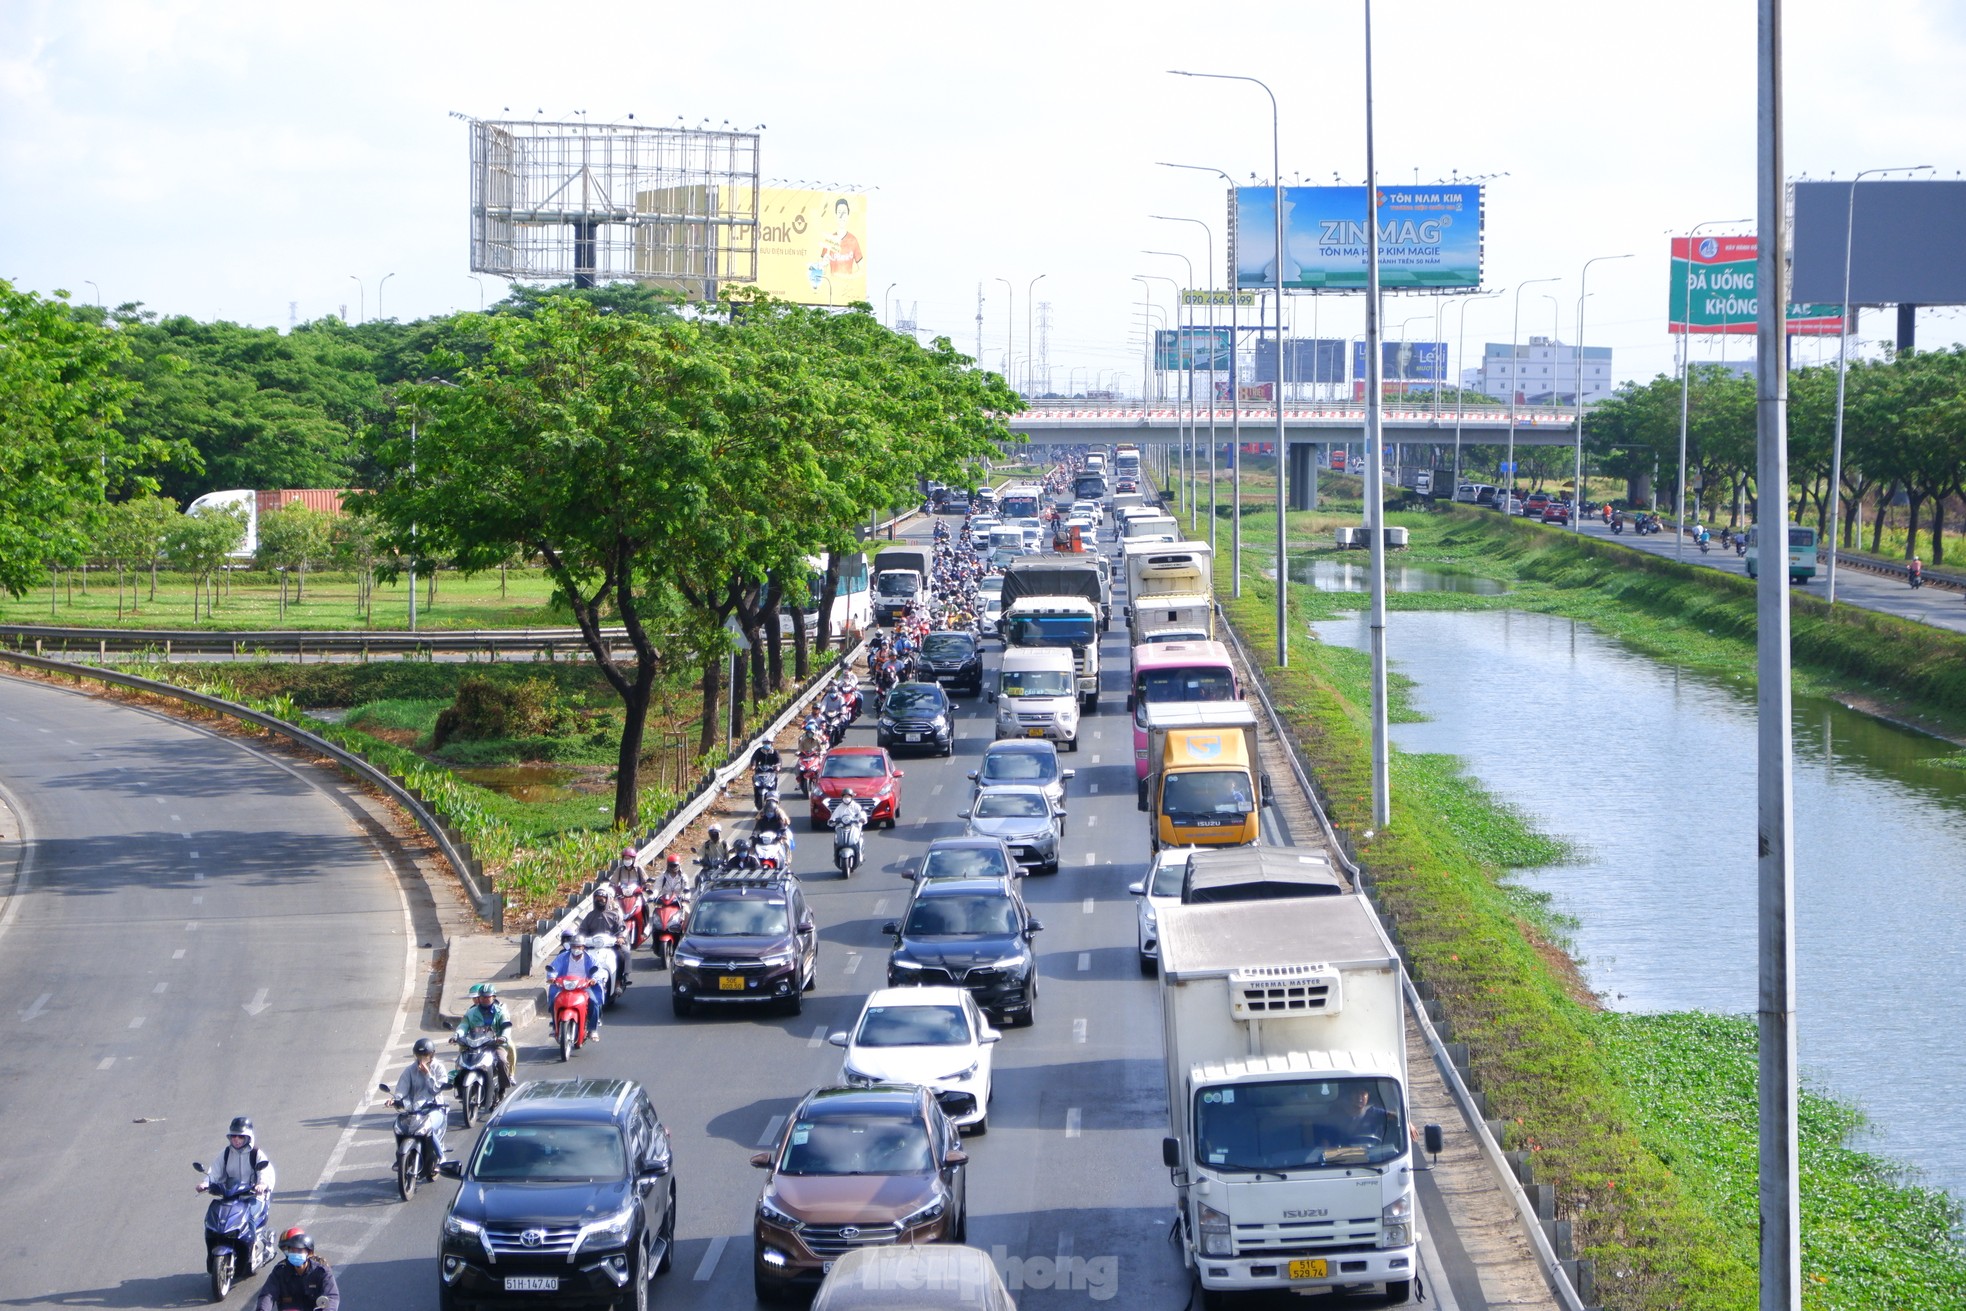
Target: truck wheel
x,y
1399,1291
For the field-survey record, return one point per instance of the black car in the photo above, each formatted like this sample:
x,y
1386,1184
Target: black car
x,y
918,715
750,938
954,658
974,934
569,1198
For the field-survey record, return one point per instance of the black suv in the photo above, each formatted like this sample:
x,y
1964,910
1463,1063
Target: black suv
x,y
917,715
954,658
569,1197
974,934
750,938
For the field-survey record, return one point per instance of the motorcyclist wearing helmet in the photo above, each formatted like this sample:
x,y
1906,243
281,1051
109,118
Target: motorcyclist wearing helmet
x,y
606,917
488,1012
575,960
628,866
742,858
421,1083
673,885
774,817
767,757
811,741
714,854
242,1166
301,1281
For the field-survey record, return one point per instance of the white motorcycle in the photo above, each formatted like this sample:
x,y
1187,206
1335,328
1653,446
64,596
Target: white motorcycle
x,y
607,952
849,823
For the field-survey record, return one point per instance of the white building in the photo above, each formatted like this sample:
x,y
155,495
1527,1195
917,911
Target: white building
x,y
1543,372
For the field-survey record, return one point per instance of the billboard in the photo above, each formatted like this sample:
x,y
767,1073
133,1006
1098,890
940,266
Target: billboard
x,y
1193,349
1304,360
1713,279
812,245
1906,249
1429,238
1405,361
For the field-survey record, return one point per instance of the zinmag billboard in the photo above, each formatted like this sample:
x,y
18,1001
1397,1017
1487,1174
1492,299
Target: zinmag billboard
x,y
1429,238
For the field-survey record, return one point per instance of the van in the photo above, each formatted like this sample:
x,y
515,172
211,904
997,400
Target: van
x,y
1037,695
1475,494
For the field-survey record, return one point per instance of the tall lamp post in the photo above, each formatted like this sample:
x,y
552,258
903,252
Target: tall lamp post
x,y
1147,331
1030,347
361,299
1175,321
1210,235
1686,383
378,293
1583,277
1009,333
1842,358
1461,390
1185,336
1515,375
1282,447
887,304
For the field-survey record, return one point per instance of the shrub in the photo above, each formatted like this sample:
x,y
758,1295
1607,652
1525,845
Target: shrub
x,y
484,710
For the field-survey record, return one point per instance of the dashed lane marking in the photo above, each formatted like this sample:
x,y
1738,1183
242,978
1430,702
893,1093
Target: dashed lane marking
x,y
708,1265
1092,821
1078,1030
178,954
1072,1126
935,791
880,906
136,1021
40,1004
852,963
1092,787
1089,904
1095,757
770,1135
105,1062
1085,963
818,1038
161,986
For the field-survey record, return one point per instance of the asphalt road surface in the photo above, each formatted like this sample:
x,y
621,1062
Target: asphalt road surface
x,y
193,929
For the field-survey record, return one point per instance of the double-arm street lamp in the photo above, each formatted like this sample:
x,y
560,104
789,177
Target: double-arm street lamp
x,y
1185,355
1583,276
1209,234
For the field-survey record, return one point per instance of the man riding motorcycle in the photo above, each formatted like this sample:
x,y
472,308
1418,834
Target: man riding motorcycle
x,y
301,1281
241,1166
422,1082
606,918
714,854
575,961
488,1012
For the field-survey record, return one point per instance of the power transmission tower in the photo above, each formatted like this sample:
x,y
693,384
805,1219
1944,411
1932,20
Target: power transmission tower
x,y
1044,343
979,321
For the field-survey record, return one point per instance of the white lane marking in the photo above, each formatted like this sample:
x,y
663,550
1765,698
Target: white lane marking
x,y
1097,733
880,906
1092,821
1095,757
158,800
40,1004
708,1265
161,986
818,1038
71,741
1090,859
852,963
1085,960
1072,1127
920,820
177,819
935,791
1078,1030
184,833
198,900
178,954
105,1062
191,926
1092,787
44,730
1089,904
136,1021
192,854
770,1135
256,1005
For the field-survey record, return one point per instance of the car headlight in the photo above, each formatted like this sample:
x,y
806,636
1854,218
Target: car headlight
x,y
1214,1230
968,1072
1006,963
927,1214
858,1078
1396,1222
458,1227
776,960
611,1229
1153,917
688,961
901,963
772,1215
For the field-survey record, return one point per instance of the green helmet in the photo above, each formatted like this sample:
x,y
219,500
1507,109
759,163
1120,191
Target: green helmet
x,y
484,992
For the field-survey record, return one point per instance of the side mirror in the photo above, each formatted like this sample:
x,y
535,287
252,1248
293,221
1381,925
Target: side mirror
x,y
199,1166
806,926
991,697
1170,1153
901,773
451,1169
990,1035
1142,791
837,1039
892,929
1069,775
970,775
1036,926
652,1170
761,1160
1129,703
1434,1139
383,1087
908,874
1137,889
962,814
956,1156
1061,812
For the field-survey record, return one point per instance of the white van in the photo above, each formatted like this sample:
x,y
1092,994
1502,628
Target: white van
x,y
1037,695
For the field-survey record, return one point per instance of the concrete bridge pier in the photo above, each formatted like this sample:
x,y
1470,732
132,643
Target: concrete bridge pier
x,y
1303,475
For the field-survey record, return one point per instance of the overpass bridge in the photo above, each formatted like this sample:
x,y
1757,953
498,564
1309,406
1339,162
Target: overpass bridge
x,y
1310,429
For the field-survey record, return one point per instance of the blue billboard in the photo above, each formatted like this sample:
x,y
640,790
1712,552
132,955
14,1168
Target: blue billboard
x,y
1405,361
1200,349
1430,238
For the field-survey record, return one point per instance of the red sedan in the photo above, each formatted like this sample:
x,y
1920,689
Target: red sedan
x,y
867,773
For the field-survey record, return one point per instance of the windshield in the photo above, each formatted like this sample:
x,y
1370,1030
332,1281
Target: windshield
x,y
1209,794
897,583
550,1153
942,916
914,701
1167,879
943,646
1036,682
1021,506
913,1026
1011,805
858,1145
853,767
964,863
1296,1123
740,919
1159,686
991,585
1053,630
1019,767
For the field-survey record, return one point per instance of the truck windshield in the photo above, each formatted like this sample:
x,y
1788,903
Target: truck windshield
x,y
1293,1124
1052,630
898,584
1036,682
1190,795
1022,505
1158,686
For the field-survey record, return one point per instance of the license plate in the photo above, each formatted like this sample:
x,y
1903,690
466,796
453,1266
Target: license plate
x,y
825,1267
914,737
730,983
1033,732
532,1283
1308,1269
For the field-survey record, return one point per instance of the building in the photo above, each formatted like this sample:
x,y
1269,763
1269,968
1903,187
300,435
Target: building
x,y
1544,372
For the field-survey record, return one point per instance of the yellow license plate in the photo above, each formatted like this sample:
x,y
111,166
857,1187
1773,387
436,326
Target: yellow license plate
x,y
1307,1269
730,983
1033,732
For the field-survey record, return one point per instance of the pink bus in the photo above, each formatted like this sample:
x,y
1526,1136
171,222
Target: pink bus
x,y
1173,672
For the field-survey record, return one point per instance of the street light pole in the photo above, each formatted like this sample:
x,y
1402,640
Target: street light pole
x,y
1282,448
1175,322
361,299
1686,385
378,293
1009,333
1209,233
1515,375
1184,334
1375,457
1461,390
1842,364
1583,277
1030,342
887,304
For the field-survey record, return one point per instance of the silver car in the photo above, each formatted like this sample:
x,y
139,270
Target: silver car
x,y
1032,761
1024,818
1159,890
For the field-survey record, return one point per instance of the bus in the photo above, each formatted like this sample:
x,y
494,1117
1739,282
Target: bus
x,y
853,604
1024,501
1802,553
1173,672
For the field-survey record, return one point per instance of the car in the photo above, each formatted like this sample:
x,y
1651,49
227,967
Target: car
x,y
1159,890
568,1198
1126,485
855,1167
975,933
981,524
1556,512
1088,508
865,773
1023,760
953,503
935,1037
1534,504
991,620
990,584
938,1277
956,658
1507,503
1024,818
918,715
750,938
970,857
1088,529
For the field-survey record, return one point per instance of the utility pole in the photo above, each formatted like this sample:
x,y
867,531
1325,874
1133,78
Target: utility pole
x,y
979,323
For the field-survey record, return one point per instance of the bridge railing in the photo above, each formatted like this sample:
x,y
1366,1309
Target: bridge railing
x,y
1078,413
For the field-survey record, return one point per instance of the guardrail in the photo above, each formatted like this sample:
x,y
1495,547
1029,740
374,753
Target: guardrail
x,y
294,641
455,850
1545,1232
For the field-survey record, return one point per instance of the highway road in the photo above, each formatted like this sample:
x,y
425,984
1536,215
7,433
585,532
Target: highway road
x,y
194,928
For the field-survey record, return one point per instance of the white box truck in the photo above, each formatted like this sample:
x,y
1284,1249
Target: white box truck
x,y
1288,1142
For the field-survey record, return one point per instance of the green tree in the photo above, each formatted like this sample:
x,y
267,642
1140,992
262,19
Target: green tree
x,y
290,539
199,543
131,536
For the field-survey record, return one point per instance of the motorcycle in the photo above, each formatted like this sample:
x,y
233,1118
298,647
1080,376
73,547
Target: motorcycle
x,y
1917,580
416,1142
1703,543
634,910
764,785
236,1231
1741,545
570,1001
769,847
480,1078
1618,525
671,918
608,950
849,840
809,763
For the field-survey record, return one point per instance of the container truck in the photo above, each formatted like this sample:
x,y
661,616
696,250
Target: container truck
x,y
1051,576
900,577
255,503
1150,528
1289,1144
1205,785
1070,622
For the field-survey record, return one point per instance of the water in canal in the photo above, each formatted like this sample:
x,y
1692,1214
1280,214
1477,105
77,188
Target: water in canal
x,y
1650,772
1327,574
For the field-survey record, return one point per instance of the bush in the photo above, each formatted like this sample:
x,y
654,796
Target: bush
x,y
485,710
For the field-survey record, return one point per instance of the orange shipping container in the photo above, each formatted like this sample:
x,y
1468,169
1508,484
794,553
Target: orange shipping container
x,y
327,499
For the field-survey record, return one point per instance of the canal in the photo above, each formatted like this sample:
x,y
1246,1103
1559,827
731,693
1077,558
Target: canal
x,y
1649,772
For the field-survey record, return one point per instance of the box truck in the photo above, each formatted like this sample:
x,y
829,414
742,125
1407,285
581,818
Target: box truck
x,y
1205,785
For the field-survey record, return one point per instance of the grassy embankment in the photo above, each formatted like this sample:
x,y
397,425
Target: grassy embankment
x,y
1643,1124
251,599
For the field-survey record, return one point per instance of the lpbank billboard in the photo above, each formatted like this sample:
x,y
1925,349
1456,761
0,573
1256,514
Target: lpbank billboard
x,y
1429,238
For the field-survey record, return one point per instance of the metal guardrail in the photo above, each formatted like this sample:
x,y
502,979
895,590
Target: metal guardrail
x,y
457,852
1556,1272
294,641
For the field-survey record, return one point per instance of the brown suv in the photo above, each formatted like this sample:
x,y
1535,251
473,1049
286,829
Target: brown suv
x,y
856,1167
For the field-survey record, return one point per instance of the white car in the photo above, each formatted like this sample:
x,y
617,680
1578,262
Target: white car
x,y
1160,889
934,1037
1088,508
992,617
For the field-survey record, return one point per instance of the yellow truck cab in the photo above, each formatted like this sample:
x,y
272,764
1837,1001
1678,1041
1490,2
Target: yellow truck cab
x,y
1205,787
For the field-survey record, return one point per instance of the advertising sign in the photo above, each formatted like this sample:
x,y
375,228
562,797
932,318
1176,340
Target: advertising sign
x,y
1193,350
1223,299
1405,361
1713,278
1429,238
1905,249
1304,360
812,245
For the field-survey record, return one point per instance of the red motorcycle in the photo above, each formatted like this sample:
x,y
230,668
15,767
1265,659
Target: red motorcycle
x,y
570,1002
671,918
809,763
634,909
